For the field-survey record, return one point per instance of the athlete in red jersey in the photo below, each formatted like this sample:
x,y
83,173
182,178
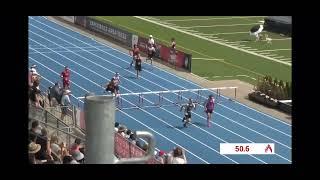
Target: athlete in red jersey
x,y
65,75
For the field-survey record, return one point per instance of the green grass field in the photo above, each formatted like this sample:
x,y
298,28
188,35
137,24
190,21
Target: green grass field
x,y
234,31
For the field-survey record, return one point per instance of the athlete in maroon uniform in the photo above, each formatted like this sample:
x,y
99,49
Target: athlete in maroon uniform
x,y
138,65
65,75
134,52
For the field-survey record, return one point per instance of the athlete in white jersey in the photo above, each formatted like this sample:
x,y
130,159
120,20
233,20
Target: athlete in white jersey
x,y
116,81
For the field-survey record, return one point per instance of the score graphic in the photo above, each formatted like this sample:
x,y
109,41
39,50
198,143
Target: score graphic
x,y
247,148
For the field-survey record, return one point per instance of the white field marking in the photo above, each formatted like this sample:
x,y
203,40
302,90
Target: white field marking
x,y
275,50
285,59
205,19
264,53
281,39
233,43
273,55
247,32
276,119
220,25
279,57
246,76
209,59
265,40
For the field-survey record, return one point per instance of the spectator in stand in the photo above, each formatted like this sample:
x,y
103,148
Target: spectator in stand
x,y
48,156
54,145
45,145
63,149
68,159
128,133
35,95
75,146
65,75
138,144
78,156
116,126
33,74
177,156
161,156
65,102
32,138
133,138
33,69
33,148
55,93
145,147
35,128
82,149
122,130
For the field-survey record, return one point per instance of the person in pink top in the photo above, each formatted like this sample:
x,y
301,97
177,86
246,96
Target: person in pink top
x,y
209,107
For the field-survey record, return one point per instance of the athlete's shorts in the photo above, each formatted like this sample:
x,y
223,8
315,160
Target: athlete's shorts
x,y
116,88
188,115
209,111
138,67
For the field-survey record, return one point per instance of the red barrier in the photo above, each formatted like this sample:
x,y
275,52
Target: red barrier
x,y
175,58
164,53
125,149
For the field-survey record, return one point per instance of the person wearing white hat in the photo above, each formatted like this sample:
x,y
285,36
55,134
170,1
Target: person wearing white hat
x,y
33,69
78,156
33,75
151,41
33,149
65,102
